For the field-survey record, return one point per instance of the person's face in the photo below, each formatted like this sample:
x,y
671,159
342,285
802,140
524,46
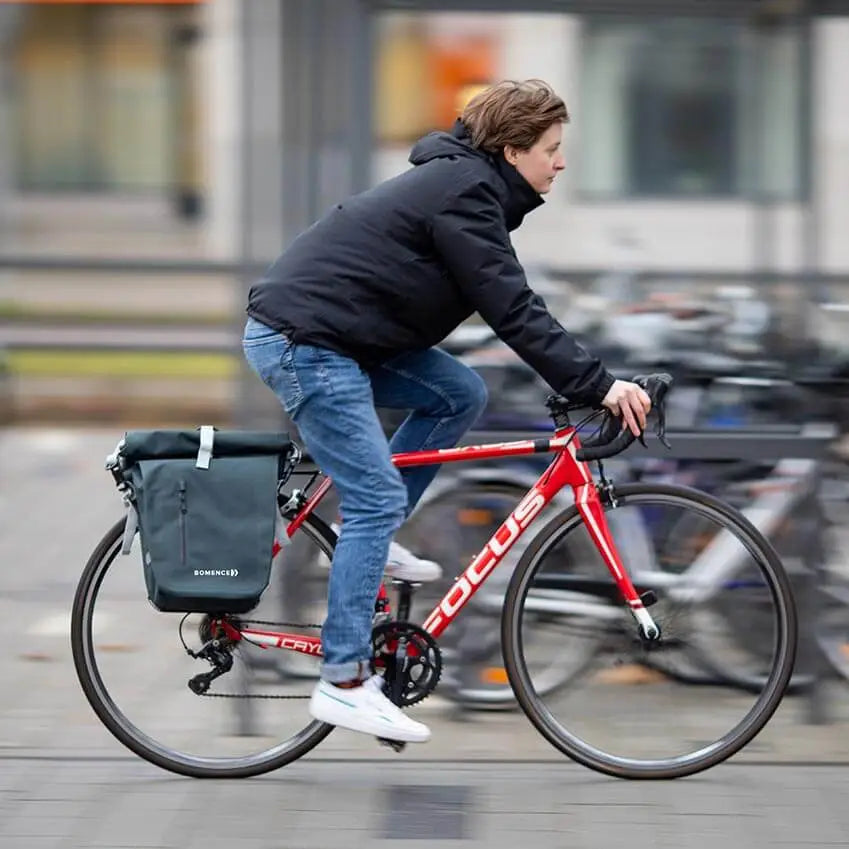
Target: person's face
x,y
541,163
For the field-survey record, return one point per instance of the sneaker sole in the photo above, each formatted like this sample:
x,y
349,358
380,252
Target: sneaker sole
x,y
401,575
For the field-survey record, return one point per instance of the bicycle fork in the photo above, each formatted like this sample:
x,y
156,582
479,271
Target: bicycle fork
x,y
568,470
592,512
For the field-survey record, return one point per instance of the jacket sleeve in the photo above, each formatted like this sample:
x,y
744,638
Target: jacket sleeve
x,y
470,236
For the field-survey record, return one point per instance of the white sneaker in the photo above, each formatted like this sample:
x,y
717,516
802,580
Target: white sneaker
x,y
365,709
403,565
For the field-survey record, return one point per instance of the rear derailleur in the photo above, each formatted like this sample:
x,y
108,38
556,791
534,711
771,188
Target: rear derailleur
x,y
216,649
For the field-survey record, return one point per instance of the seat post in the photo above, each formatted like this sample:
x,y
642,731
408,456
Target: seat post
x,y
405,598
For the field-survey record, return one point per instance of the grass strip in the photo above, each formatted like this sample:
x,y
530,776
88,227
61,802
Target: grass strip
x,y
129,364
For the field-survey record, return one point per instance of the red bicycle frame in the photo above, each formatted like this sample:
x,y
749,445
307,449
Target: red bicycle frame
x,y
565,470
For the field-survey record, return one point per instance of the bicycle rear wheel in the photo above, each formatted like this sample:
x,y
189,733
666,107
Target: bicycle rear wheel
x,y
134,669
622,716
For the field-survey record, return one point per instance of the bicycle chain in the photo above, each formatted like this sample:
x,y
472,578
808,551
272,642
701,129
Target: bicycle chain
x,y
208,695
387,628
278,624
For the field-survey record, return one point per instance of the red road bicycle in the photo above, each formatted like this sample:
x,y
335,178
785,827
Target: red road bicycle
x,y
584,648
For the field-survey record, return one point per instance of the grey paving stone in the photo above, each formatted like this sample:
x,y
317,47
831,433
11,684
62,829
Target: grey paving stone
x,y
426,812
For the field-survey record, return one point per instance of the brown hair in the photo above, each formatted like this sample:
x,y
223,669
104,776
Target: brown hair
x,y
512,112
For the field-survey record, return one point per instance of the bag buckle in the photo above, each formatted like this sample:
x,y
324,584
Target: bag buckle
x,y
207,437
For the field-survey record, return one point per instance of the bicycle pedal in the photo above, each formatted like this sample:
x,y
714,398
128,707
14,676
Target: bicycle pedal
x,y
397,745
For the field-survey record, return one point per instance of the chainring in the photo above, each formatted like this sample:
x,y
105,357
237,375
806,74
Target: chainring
x,y
409,659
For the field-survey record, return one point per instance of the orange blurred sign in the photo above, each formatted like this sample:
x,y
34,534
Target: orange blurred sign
x,y
104,2
459,70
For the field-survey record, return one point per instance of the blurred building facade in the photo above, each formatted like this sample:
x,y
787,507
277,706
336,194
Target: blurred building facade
x,y
716,141
101,98
693,143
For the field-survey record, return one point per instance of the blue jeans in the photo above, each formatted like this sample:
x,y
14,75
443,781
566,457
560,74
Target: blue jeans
x,y
332,400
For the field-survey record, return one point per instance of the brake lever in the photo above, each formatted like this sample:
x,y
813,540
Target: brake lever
x,y
658,407
660,430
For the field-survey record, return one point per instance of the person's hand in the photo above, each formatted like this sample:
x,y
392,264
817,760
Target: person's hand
x,y
630,402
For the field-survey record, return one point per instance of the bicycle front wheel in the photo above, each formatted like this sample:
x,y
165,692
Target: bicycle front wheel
x,y
623,715
134,669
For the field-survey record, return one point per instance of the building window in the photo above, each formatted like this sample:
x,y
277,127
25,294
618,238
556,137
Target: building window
x,y
690,108
100,97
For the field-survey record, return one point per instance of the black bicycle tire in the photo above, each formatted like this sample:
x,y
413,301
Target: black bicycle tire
x,y
121,728
668,768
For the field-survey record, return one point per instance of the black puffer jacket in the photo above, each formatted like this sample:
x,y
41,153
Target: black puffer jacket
x,y
399,266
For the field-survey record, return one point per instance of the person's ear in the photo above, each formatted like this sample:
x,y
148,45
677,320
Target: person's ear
x,y
511,154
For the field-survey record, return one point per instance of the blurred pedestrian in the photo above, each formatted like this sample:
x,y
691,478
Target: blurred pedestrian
x,y
347,319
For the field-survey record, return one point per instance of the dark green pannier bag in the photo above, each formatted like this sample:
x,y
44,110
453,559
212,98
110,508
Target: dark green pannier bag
x,y
205,505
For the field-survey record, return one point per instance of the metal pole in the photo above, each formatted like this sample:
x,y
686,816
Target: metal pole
x,y
763,229
312,96
244,414
807,176
9,20
362,94
811,657
818,712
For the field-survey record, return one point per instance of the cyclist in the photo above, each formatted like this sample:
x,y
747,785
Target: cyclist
x,y
347,319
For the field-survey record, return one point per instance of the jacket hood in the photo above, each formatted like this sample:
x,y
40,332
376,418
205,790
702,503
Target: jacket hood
x,y
519,198
440,144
